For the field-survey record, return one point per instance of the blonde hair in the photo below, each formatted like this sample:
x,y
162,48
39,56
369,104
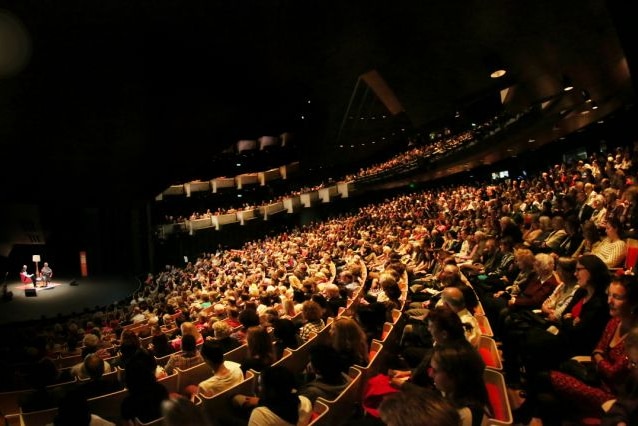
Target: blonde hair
x,y
189,328
221,329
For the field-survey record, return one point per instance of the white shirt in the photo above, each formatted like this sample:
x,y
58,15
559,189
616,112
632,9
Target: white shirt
x,y
262,416
216,384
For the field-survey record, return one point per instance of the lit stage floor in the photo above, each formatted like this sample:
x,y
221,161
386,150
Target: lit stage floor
x,y
60,297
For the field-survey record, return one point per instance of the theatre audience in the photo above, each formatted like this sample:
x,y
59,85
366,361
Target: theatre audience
x,y
581,387
254,279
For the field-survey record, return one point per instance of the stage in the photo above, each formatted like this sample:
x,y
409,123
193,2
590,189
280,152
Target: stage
x,y
61,297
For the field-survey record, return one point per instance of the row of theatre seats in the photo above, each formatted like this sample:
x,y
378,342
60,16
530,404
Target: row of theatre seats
x,y
325,412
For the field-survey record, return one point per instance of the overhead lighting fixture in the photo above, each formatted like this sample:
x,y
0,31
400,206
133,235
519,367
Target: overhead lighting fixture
x,y
567,84
594,105
498,73
494,64
586,96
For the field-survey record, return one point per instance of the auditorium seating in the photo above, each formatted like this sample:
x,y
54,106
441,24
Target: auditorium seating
x,y
108,406
298,358
501,411
69,361
489,352
38,418
484,325
237,355
170,382
160,421
319,411
163,360
346,405
192,376
377,359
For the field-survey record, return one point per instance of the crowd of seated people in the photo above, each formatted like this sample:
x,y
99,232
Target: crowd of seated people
x,y
389,167
249,287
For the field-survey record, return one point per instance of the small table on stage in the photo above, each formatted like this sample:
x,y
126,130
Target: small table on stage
x,y
40,282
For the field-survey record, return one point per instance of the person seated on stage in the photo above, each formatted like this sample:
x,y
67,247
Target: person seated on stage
x,y
26,277
46,273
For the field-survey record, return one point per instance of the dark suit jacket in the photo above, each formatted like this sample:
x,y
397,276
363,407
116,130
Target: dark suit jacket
x,y
333,305
585,212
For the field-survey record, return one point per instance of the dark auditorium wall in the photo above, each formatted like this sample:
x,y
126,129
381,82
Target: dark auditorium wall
x,y
115,239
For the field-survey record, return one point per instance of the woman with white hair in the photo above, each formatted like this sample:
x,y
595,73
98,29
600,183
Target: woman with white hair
x,y
599,214
535,293
531,296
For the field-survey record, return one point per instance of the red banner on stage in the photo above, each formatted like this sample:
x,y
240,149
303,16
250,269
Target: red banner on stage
x,y
83,267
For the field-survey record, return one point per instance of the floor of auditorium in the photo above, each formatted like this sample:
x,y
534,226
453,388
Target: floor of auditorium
x,y
64,296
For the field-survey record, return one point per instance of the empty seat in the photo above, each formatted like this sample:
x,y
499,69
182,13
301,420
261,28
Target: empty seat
x,y
489,352
484,325
501,410
38,418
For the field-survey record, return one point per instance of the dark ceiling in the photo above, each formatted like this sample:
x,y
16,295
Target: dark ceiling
x,y
108,100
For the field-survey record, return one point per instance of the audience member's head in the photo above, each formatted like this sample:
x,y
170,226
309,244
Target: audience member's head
x,y
326,363
188,343
213,353
94,366
182,411
311,311
221,330
417,407
592,271
277,392
285,331
248,318
445,325
457,370
73,410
